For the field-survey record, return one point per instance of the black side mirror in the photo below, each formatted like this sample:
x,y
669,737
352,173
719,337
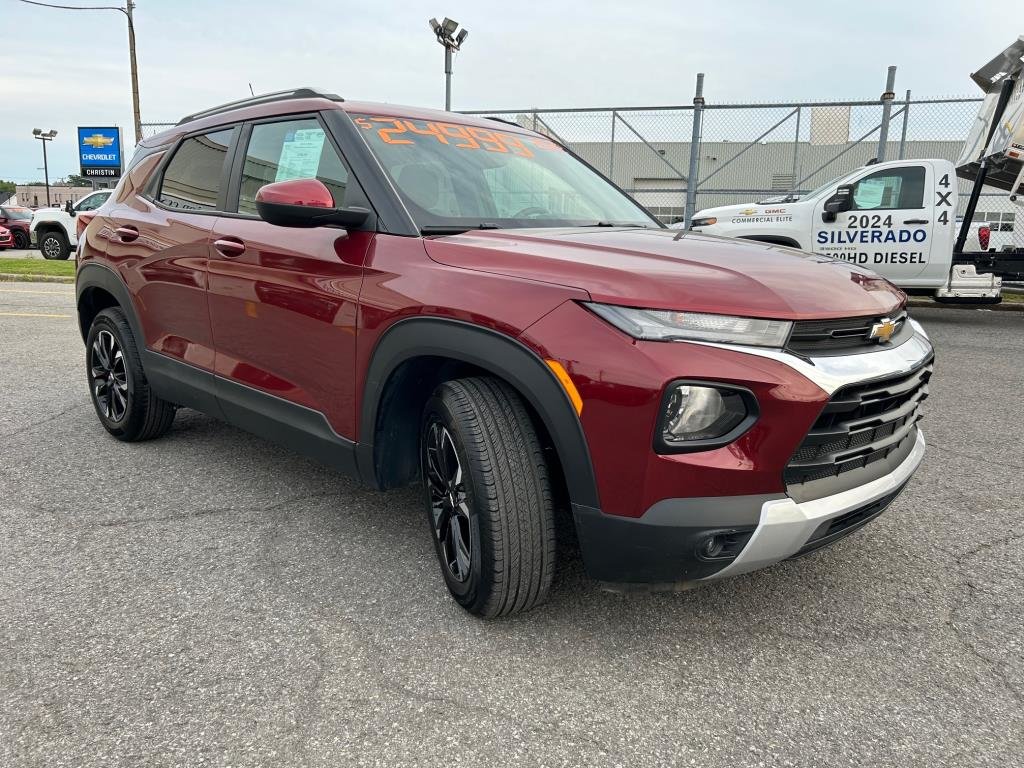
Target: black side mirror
x,y
304,203
841,201
69,209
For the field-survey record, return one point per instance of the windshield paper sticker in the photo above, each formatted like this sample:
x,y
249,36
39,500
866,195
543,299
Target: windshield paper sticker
x,y
300,154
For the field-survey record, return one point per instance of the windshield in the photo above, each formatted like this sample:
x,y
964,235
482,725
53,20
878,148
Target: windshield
x,y
456,177
18,213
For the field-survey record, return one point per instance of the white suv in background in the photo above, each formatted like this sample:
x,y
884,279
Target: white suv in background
x,y
53,230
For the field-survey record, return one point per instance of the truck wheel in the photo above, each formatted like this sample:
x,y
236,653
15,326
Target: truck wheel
x,y
488,495
21,240
54,246
126,406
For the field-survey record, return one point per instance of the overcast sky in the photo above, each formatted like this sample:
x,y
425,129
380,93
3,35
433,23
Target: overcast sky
x,y
61,69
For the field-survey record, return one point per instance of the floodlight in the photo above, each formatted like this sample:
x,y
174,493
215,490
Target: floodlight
x,y
434,25
450,26
460,38
37,131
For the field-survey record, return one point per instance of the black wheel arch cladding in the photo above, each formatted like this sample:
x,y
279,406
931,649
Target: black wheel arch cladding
x,y
489,352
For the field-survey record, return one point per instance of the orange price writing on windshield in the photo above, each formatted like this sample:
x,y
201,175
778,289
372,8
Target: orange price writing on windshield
x,y
400,131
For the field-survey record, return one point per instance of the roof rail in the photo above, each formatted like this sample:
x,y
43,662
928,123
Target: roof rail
x,y
266,98
506,122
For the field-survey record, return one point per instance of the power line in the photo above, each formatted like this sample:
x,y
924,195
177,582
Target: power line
x,y
77,7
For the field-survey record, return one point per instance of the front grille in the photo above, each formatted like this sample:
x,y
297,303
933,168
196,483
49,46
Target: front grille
x,y
816,336
860,425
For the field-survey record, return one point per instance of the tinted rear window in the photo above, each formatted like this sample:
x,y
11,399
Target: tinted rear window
x,y
192,180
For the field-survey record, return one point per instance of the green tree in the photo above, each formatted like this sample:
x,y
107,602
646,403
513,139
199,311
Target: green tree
x,y
7,188
74,180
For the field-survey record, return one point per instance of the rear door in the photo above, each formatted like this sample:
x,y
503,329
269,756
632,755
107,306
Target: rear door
x,y
283,300
890,227
160,242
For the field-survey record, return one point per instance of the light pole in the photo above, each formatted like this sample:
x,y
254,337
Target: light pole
x,y
45,137
127,11
445,33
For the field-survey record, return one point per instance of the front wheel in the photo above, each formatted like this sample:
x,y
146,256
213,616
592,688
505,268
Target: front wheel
x,y
54,246
21,240
488,496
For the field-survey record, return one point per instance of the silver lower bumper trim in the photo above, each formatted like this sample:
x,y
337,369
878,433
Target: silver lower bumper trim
x,y
785,526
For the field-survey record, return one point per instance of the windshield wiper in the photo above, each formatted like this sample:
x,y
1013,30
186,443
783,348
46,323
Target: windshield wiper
x,y
451,229
635,224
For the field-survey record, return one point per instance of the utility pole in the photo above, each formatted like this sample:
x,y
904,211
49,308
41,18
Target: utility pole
x,y
45,137
135,72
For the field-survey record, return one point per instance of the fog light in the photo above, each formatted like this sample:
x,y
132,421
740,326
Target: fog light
x,y
712,547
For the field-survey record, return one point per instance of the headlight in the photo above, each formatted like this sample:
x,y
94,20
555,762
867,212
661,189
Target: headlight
x,y
696,416
666,325
703,221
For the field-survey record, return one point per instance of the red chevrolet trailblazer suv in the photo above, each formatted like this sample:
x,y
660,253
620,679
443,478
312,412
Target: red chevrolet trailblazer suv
x,y
419,296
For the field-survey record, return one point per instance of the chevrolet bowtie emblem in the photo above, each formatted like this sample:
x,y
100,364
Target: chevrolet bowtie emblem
x,y
98,141
883,330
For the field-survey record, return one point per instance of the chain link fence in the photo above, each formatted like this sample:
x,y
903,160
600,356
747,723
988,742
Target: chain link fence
x,y
752,152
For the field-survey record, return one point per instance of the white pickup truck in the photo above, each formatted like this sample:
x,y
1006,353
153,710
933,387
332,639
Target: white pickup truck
x,y
896,218
53,230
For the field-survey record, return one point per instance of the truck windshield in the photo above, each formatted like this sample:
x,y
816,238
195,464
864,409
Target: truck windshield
x,y
455,177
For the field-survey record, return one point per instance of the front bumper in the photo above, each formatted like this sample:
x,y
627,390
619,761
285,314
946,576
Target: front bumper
x,y
663,546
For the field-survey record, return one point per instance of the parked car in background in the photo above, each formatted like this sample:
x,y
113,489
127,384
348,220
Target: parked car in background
x,y
414,296
6,239
54,230
17,219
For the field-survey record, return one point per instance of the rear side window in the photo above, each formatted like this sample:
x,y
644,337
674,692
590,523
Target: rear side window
x,y
291,149
192,180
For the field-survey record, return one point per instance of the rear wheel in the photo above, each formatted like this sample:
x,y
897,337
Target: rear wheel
x,y
488,497
125,404
54,246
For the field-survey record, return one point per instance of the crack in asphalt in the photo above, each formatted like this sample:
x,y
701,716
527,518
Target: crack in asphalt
x,y
965,635
47,420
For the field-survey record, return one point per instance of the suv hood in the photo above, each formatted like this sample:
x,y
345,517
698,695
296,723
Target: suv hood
x,y
667,269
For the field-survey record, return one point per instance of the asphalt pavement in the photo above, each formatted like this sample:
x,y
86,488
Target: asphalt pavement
x,y
210,599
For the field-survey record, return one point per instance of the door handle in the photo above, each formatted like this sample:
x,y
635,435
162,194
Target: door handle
x,y
229,246
916,221
127,234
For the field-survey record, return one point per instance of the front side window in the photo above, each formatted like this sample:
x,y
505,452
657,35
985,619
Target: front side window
x,y
291,149
892,188
454,176
191,181
92,202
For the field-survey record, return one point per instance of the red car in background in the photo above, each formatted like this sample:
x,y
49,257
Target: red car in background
x,y
17,219
423,297
6,239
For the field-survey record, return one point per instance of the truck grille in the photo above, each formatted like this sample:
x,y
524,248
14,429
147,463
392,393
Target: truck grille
x,y
846,333
860,425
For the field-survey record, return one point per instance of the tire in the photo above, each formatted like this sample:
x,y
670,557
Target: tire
x,y
21,239
491,515
54,246
120,393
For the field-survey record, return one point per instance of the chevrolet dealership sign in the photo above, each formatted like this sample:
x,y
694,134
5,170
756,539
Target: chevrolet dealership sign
x,y
99,152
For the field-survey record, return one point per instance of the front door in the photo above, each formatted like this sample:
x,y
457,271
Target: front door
x,y
889,229
282,299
